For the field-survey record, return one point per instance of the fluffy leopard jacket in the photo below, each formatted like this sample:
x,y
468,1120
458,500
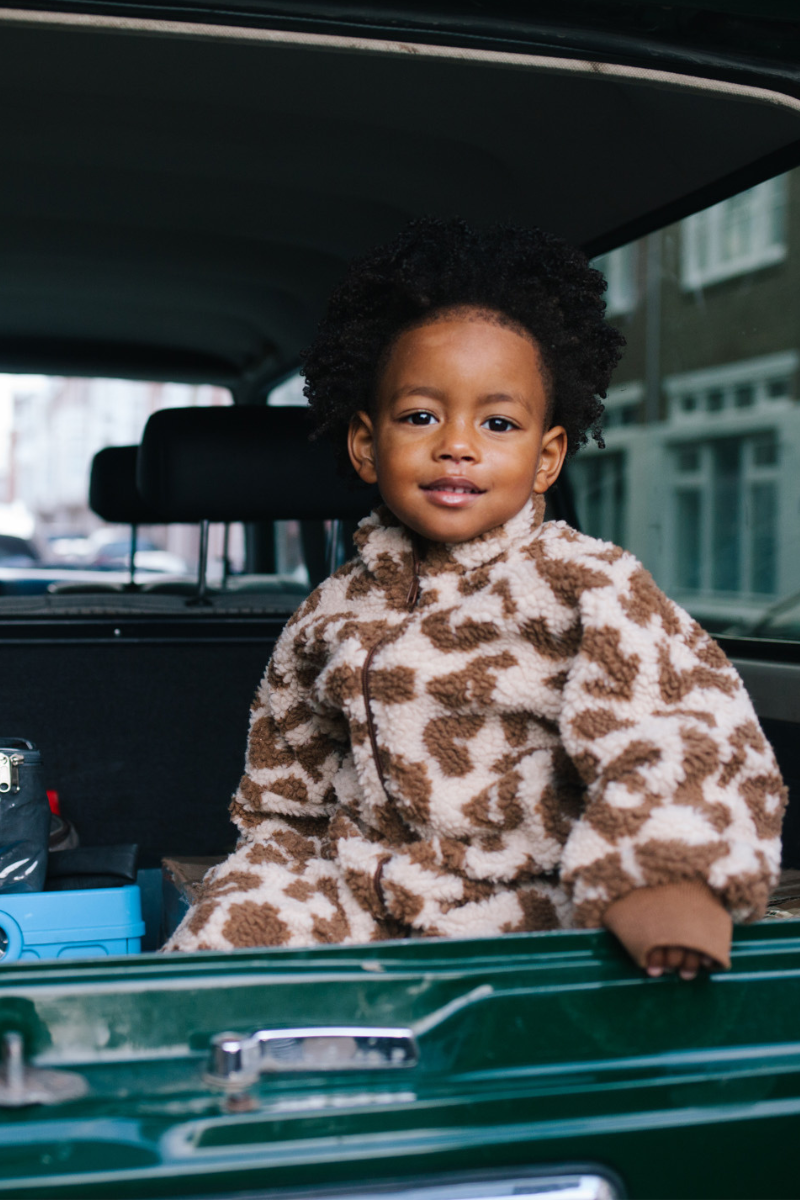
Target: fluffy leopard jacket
x,y
512,733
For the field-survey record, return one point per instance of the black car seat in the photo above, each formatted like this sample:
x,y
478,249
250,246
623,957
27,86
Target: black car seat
x,y
243,464
114,497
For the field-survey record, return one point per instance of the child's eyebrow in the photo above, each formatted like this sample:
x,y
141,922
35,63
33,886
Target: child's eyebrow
x,y
502,397
417,389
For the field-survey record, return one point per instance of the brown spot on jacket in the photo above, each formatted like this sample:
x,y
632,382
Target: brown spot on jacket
x,y
537,912
392,685
474,684
595,723
336,928
502,588
666,860
744,736
551,645
266,747
567,579
518,726
615,821
444,738
606,873
402,903
602,646
447,636
497,806
300,890
253,924
262,853
411,783
756,792
700,762
675,685
645,601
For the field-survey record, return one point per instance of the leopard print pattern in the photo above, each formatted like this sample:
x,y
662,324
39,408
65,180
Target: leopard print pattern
x,y
507,734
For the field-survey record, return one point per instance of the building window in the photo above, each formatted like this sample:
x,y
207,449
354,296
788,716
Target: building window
x,y
739,235
623,405
726,515
599,484
619,268
729,389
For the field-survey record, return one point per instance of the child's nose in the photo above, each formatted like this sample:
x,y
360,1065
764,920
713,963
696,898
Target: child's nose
x,y
457,444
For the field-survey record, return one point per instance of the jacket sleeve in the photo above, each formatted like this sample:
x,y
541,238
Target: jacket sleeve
x,y
295,745
276,886
682,787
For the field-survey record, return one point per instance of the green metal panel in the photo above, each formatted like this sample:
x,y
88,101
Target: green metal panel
x,y
534,1049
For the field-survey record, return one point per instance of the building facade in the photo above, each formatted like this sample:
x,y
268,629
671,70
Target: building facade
x,y
700,476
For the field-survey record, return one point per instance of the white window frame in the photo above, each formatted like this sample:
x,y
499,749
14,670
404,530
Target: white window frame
x,y
619,268
705,264
623,396
701,480
758,373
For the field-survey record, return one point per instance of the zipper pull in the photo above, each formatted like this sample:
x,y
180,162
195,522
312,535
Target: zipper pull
x,y
9,771
413,591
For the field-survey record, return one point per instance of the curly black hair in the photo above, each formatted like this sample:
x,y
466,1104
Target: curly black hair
x,y
531,279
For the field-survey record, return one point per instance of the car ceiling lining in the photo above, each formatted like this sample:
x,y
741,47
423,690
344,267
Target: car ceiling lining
x,y
180,198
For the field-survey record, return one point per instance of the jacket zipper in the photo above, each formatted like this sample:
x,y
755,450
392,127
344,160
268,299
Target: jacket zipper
x,y
411,601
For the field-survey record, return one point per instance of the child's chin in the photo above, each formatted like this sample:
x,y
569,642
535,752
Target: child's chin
x,y
458,528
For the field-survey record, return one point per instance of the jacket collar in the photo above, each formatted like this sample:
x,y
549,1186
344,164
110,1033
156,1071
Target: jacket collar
x,y
395,556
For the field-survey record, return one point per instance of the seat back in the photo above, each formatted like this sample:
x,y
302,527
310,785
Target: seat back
x,y
243,464
114,497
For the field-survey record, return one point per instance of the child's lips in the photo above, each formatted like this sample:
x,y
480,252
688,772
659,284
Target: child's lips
x,y
453,491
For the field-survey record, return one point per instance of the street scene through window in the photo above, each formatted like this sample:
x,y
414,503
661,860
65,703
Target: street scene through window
x,y
700,475
50,430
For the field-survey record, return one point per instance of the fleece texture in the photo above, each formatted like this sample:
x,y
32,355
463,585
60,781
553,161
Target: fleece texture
x,y
511,733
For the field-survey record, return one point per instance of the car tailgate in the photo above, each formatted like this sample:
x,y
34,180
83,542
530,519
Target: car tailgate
x,y
504,1054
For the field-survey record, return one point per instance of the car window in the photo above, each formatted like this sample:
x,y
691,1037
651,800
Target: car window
x,y
700,475
50,430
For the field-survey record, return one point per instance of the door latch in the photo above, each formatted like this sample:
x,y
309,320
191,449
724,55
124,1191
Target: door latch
x,y
237,1061
22,1085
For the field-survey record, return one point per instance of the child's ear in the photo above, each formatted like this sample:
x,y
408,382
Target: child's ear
x,y
551,458
361,447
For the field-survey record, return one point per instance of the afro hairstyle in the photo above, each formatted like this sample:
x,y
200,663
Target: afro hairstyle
x,y
530,278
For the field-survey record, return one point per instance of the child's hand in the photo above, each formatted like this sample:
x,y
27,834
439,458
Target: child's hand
x,y
677,958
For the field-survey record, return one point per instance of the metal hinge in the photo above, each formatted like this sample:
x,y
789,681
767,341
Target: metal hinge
x,y
9,771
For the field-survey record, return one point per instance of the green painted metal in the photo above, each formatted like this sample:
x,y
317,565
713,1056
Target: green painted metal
x,y
534,1049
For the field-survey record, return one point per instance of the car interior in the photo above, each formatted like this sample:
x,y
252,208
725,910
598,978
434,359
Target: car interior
x,y
179,198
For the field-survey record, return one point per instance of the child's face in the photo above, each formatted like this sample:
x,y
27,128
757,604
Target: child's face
x,y
458,440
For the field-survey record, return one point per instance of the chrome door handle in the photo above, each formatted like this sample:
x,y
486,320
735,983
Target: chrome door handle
x,y
236,1061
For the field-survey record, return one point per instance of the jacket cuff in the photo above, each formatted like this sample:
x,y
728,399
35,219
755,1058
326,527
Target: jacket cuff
x,y
684,914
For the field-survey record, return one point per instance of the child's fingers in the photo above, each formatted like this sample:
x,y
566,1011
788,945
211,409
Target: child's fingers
x,y
690,965
677,958
673,958
655,962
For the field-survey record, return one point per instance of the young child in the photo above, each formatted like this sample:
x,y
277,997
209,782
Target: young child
x,y
485,724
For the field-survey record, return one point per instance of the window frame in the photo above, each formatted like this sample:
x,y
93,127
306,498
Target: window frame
x,y
766,200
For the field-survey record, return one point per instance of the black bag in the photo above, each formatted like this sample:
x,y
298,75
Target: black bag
x,y
92,867
24,817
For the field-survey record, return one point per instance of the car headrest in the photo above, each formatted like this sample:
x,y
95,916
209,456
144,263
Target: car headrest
x,y
243,464
113,493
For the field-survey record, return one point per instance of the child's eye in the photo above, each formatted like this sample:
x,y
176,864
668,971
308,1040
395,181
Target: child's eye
x,y
419,418
499,424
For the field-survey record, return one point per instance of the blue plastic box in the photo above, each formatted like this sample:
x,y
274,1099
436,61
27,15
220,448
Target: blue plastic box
x,y
90,923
